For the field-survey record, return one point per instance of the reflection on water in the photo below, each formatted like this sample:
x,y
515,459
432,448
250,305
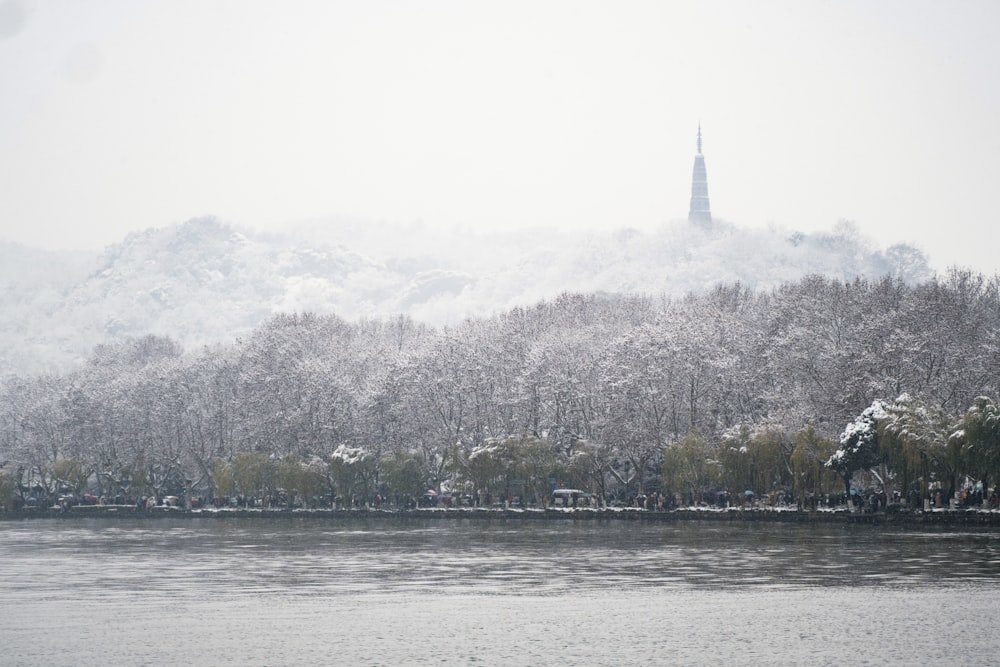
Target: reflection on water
x,y
304,556
242,589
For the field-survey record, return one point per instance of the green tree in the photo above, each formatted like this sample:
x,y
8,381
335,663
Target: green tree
x,y
737,459
403,475
9,481
252,474
488,466
981,436
688,467
810,452
755,461
225,483
513,465
353,472
291,479
770,451
913,439
70,475
534,462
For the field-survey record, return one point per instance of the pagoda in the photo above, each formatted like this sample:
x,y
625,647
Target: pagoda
x,y
700,212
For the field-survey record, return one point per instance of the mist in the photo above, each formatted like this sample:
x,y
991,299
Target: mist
x,y
205,281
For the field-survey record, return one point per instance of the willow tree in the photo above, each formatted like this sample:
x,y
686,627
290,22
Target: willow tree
x,y
488,467
251,473
736,460
403,476
981,435
688,466
810,451
756,461
913,441
353,470
302,479
536,460
771,452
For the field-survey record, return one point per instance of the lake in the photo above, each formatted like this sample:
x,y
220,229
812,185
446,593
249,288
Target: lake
x,y
281,591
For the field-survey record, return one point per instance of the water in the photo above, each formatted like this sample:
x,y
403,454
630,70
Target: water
x,y
281,591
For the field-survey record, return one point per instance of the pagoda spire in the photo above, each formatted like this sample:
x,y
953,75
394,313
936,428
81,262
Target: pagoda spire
x,y
700,212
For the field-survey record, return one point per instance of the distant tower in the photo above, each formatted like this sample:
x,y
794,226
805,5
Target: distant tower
x,y
700,212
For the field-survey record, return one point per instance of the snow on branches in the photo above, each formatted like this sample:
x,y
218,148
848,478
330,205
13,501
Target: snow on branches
x,y
349,455
859,442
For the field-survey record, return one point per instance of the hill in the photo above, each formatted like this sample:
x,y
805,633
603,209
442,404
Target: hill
x,y
204,281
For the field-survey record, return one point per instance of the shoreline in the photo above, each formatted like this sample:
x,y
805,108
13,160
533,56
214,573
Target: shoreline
x,y
946,518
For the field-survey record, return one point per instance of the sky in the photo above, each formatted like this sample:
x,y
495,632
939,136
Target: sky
x,y
120,115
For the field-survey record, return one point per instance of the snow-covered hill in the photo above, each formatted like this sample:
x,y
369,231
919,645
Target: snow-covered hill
x,y
204,281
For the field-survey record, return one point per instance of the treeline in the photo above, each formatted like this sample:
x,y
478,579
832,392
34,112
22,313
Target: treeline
x,y
730,389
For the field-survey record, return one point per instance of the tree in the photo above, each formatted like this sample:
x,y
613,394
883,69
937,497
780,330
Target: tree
x,y
858,444
10,480
771,452
981,436
629,373
353,471
252,473
757,461
914,442
535,461
588,466
403,476
488,466
292,480
688,466
225,483
512,465
810,452
736,460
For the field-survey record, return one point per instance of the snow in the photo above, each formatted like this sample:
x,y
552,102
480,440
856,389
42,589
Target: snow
x,y
858,435
349,455
223,280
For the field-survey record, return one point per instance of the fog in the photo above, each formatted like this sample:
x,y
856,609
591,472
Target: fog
x,y
492,116
204,281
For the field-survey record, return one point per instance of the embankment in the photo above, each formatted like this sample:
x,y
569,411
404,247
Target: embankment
x,y
936,518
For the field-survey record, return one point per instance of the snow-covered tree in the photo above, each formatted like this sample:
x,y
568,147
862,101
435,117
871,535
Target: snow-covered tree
x,y
858,444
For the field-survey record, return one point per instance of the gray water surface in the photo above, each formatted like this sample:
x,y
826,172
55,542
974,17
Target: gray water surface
x,y
266,591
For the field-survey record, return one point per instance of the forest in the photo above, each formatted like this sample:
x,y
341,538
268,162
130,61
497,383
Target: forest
x,y
804,389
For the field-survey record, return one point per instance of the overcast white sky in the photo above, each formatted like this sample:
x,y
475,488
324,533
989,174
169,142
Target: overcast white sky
x,y
125,114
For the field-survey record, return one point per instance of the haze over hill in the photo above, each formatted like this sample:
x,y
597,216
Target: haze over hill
x,y
204,281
